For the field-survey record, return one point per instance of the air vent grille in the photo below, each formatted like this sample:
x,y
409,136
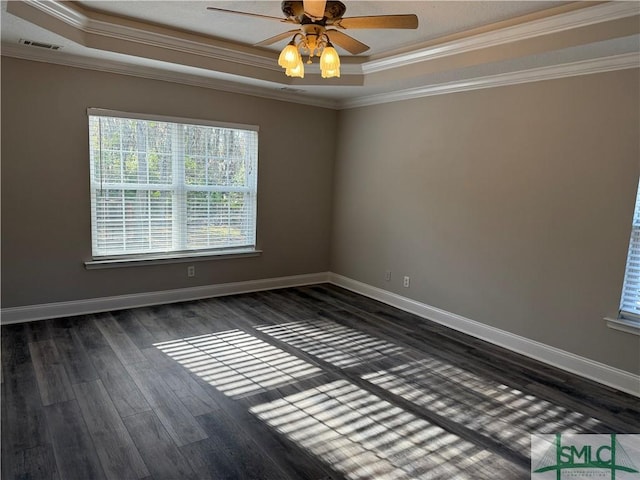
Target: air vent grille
x,y
291,90
33,43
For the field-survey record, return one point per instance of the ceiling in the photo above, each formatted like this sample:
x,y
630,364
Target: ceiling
x,y
459,45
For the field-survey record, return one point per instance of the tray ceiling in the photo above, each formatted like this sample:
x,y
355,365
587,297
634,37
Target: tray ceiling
x,y
458,45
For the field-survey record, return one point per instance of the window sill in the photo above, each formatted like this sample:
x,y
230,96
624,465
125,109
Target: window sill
x,y
624,325
136,261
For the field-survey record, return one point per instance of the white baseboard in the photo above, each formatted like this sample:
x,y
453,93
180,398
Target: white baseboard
x,y
599,372
104,304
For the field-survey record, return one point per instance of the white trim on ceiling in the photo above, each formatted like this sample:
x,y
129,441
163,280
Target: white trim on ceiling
x,y
585,67
279,92
103,25
565,21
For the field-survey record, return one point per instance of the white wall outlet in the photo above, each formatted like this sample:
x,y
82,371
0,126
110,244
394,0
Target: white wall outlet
x,y
191,271
387,275
405,283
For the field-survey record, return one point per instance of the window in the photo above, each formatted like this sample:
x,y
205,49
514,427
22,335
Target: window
x,y
170,186
630,303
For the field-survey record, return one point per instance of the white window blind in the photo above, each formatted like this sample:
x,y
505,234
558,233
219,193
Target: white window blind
x,y
160,184
630,303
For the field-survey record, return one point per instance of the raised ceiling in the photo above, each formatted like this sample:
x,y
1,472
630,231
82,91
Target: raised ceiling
x,y
458,45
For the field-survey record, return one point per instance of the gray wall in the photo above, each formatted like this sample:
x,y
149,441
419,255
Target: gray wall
x,y
46,232
510,206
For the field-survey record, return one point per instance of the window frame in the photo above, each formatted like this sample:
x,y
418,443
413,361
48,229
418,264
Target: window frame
x,y
627,321
179,185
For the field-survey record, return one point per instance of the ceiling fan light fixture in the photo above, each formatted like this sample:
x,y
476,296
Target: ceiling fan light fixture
x,y
330,73
318,21
330,62
289,57
297,71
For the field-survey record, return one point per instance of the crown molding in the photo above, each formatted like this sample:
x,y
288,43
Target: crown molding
x,y
292,93
60,11
584,67
286,93
95,26
557,23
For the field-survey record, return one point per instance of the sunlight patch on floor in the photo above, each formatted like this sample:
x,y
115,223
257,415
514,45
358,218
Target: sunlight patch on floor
x,y
339,345
363,436
482,405
237,363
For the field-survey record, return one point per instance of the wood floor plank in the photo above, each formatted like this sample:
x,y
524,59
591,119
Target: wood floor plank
x,y
157,357
38,331
75,453
36,463
24,425
90,336
53,382
15,345
72,353
158,450
118,454
166,322
208,462
26,448
196,398
187,320
137,332
180,424
117,338
150,320
248,459
125,394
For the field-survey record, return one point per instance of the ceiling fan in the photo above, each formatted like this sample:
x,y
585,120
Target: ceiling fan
x,y
320,24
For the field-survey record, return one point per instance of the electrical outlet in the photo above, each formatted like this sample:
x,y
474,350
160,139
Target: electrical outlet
x,y
405,283
191,271
387,275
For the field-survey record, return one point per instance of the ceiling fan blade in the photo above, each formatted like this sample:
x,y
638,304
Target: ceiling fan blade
x,y
314,8
350,44
409,21
276,38
286,20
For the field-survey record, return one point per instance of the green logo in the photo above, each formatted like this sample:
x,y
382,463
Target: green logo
x,y
584,456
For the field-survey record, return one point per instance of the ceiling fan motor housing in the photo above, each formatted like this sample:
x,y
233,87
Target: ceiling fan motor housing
x,y
295,9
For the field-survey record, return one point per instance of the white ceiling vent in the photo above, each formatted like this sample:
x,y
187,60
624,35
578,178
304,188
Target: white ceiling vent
x,y
33,43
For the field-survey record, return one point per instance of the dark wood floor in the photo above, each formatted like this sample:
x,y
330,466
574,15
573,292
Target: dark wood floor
x,y
303,383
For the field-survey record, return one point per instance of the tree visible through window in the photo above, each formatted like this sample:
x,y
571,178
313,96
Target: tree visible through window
x,y
163,185
630,303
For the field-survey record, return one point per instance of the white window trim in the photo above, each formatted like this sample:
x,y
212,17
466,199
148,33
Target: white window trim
x,y
627,321
167,118
173,257
624,324
102,262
